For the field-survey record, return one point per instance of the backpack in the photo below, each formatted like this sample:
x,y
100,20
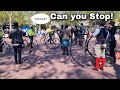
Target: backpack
x,y
16,38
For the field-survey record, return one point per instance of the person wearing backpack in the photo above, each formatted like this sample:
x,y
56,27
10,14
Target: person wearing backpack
x,y
17,41
101,35
1,36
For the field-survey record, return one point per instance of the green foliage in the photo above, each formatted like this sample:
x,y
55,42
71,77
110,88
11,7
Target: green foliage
x,y
23,17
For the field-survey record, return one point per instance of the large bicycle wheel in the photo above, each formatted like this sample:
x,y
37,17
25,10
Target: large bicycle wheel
x,y
90,48
78,55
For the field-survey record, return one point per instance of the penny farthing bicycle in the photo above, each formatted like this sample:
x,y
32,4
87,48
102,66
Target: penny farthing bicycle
x,y
77,51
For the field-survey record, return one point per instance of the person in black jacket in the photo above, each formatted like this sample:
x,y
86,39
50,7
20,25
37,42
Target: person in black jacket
x,y
17,42
60,34
112,41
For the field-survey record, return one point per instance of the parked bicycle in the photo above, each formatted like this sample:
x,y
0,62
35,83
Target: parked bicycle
x,y
30,52
51,42
5,46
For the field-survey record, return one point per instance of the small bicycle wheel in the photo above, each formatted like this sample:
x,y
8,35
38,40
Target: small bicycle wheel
x,y
42,40
56,42
53,44
109,61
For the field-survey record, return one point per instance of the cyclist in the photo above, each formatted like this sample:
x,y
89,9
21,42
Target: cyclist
x,y
50,33
1,36
66,36
17,42
31,34
100,46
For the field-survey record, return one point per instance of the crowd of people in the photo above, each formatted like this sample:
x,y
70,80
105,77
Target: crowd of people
x,y
66,32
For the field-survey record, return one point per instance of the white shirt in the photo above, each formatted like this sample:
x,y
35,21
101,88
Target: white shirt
x,y
97,31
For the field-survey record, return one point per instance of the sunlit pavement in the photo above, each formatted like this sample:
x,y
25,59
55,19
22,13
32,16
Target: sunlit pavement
x,y
51,64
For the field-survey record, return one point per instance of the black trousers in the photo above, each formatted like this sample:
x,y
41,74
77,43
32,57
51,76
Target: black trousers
x,y
50,38
76,39
31,41
17,54
1,45
112,49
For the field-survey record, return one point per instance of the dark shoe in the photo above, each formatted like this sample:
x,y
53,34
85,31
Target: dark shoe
x,y
63,54
95,69
101,68
1,50
20,63
30,51
16,63
67,54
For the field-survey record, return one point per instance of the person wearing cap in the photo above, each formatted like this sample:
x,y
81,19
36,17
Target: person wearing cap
x,y
17,41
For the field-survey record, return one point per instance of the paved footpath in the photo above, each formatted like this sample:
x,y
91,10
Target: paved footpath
x,y
51,64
